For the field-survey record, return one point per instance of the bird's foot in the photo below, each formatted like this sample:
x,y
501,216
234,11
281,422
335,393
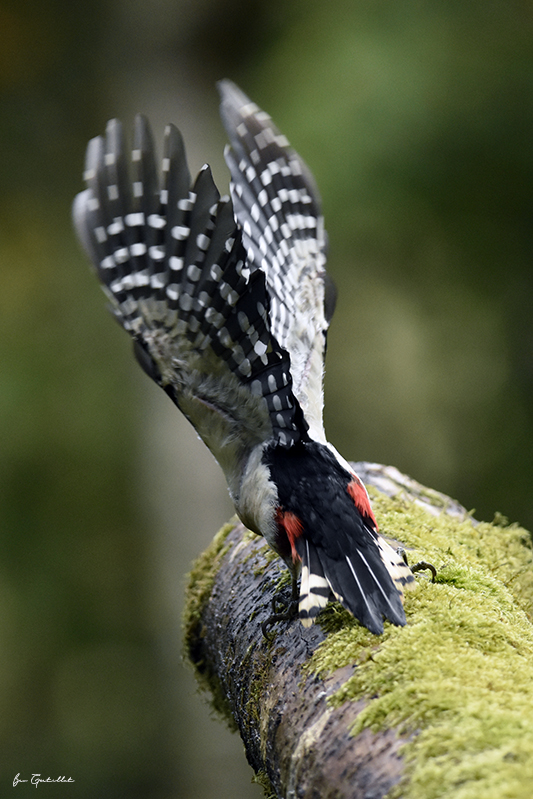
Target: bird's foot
x,y
283,610
422,565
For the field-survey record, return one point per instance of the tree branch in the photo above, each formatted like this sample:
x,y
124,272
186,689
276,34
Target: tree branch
x,y
325,711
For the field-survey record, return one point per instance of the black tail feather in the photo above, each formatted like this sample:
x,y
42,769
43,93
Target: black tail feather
x,y
360,582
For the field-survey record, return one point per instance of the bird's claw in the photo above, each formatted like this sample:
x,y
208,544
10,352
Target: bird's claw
x,y
422,565
290,612
283,610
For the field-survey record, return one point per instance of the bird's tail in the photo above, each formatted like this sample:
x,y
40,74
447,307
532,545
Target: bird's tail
x,y
369,582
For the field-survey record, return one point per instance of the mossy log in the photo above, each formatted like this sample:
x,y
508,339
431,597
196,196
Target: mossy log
x,y
442,707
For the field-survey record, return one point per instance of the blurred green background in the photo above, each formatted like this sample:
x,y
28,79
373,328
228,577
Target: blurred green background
x,y
416,119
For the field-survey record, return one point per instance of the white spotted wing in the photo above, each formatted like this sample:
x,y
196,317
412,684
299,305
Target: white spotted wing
x,y
171,260
277,207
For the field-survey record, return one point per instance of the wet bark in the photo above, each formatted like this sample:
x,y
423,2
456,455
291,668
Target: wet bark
x,y
289,730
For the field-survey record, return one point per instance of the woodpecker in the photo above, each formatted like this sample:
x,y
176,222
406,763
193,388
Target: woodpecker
x,y
228,304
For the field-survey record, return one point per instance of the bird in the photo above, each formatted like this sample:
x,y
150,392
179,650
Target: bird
x,y
228,303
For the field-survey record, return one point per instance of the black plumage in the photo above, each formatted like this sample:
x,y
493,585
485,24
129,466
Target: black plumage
x,y
228,304
338,543
171,259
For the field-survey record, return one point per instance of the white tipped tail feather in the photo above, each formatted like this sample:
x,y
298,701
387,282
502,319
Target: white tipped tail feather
x,y
228,304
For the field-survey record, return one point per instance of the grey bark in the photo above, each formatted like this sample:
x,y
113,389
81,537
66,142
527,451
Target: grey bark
x,y
290,733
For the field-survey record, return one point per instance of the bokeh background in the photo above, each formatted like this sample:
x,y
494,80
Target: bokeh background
x,y
416,117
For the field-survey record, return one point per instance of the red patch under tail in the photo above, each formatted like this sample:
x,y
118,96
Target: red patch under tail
x,y
293,528
357,491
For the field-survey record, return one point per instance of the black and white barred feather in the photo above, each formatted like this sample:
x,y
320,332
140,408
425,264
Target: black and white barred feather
x,y
228,304
277,206
171,260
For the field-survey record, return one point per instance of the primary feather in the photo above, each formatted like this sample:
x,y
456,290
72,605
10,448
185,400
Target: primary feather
x,y
228,304
277,206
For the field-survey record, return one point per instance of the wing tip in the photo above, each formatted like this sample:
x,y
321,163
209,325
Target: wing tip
x,y
231,96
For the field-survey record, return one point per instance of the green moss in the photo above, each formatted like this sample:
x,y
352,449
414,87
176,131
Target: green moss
x,y
460,674
261,778
284,581
267,556
260,677
201,578
199,586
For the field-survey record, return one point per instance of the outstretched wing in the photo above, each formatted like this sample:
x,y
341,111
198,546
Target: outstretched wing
x,y
171,260
278,209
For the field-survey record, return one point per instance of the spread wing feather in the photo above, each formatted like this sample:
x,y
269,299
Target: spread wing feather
x,y
278,209
171,260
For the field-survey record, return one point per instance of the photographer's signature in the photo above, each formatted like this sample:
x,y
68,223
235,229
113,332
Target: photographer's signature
x,y
36,779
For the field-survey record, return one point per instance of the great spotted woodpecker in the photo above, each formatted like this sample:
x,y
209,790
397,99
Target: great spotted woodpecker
x,y
228,304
